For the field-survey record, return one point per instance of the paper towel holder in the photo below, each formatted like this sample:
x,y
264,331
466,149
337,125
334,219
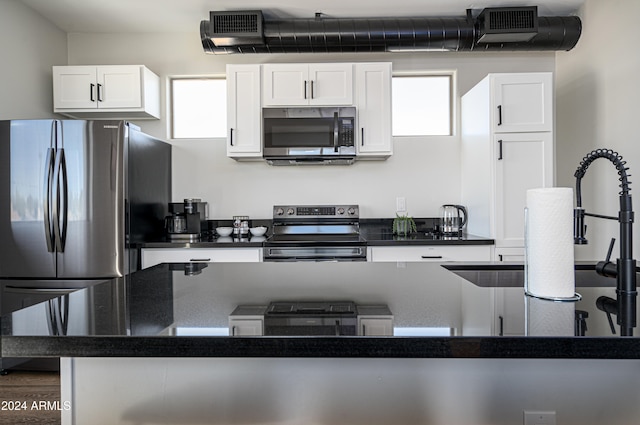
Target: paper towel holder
x,y
576,296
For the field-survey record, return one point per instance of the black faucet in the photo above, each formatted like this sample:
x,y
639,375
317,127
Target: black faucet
x,y
624,270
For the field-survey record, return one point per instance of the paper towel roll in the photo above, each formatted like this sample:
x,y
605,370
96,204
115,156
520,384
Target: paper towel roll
x,y
549,318
549,259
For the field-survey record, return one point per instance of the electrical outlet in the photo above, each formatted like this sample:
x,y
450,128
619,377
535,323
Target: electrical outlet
x,y
539,418
401,204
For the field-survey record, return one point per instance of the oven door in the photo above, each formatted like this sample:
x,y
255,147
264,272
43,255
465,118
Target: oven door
x,y
305,325
315,253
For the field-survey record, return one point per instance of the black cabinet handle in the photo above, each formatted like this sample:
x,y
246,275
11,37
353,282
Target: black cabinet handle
x,y
199,259
501,326
362,138
91,90
431,257
500,257
305,89
499,114
499,150
99,93
311,89
231,137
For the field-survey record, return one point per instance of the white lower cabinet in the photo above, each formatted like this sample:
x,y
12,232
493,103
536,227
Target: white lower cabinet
x,y
375,326
509,254
153,256
509,313
430,253
375,320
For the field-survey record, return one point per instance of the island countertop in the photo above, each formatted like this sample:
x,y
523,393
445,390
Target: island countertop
x,y
182,310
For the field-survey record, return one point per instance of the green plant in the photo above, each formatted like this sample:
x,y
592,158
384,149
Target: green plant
x,y
403,225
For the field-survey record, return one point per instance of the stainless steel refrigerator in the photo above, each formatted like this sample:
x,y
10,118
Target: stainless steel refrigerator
x,y
76,199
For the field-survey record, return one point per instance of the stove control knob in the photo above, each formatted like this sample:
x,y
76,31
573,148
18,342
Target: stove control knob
x,y
340,211
279,211
351,211
290,211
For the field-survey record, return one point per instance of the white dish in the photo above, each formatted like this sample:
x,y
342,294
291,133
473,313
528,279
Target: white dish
x,y
224,231
258,231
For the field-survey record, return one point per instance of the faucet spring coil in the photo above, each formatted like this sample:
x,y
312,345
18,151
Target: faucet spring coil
x,y
612,156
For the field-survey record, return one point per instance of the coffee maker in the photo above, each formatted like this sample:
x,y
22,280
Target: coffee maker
x,y
183,225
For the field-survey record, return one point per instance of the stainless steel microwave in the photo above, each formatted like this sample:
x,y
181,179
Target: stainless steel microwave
x,y
309,135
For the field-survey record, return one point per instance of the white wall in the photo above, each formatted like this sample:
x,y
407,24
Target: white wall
x,y
426,172
597,107
30,46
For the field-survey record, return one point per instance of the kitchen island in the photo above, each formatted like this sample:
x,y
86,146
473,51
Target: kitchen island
x,y
160,348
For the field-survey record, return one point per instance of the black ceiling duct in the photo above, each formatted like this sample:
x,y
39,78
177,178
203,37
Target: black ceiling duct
x,y
507,29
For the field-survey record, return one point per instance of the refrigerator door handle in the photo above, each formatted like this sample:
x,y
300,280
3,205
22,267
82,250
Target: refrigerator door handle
x,y
58,315
48,174
60,201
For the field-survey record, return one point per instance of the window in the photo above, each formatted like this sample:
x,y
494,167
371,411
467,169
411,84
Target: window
x,y
198,108
422,105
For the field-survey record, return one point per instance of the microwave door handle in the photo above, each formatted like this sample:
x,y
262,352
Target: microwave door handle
x,y
335,131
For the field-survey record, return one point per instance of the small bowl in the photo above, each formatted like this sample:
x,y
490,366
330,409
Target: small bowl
x,y
258,231
224,231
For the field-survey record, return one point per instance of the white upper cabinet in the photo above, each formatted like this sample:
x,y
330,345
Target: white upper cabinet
x,y
501,160
109,91
329,84
244,123
522,102
373,103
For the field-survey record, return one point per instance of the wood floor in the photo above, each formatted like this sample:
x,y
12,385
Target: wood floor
x,y
28,397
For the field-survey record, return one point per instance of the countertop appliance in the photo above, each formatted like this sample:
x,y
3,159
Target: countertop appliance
x,y
184,223
299,136
75,198
452,219
288,318
315,233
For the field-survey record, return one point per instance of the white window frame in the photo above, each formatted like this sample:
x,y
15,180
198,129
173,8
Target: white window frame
x,y
170,123
453,101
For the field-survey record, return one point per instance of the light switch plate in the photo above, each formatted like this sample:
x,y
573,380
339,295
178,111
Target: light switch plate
x,y
401,204
539,418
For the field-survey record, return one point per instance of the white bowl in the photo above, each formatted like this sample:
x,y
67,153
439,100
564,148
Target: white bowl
x,y
224,231
258,231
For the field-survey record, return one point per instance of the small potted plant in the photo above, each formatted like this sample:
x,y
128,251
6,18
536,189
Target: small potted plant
x,y
403,225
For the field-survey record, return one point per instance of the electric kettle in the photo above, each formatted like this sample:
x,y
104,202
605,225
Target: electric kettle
x,y
452,219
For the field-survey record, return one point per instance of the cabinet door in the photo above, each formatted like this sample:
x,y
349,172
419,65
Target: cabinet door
x,y
244,111
153,256
285,84
523,161
74,87
245,327
510,315
509,254
522,102
430,253
376,326
119,86
373,103
331,84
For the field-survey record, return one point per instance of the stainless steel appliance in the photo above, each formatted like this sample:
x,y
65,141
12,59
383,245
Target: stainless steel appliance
x,y
309,135
75,198
311,318
452,219
315,233
184,223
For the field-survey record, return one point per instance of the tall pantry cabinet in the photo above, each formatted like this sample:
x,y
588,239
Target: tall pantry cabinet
x,y
507,148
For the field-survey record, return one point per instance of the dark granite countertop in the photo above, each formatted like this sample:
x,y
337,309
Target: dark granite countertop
x,y
182,310
376,232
